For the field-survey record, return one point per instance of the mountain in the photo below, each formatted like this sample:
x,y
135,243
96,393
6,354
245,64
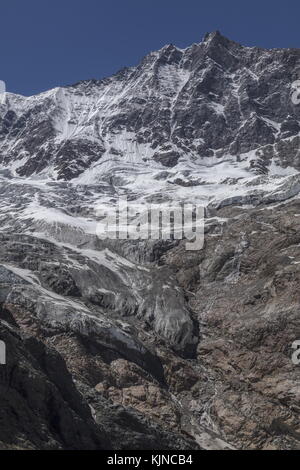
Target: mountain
x,y
165,347
177,107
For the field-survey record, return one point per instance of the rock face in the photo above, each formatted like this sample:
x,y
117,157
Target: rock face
x,y
42,409
133,343
246,298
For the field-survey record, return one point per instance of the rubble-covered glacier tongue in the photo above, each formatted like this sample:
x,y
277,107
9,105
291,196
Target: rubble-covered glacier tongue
x,y
152,342
103,285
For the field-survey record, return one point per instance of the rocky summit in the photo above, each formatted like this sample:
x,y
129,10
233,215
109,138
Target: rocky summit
x,y
142,344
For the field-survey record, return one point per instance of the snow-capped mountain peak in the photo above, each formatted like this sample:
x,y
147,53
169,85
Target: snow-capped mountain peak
x,y
214,108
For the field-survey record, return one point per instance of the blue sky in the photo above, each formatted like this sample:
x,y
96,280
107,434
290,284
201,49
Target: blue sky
x,y
46,43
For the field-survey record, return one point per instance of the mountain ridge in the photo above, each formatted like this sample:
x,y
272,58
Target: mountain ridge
x,y
170,102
